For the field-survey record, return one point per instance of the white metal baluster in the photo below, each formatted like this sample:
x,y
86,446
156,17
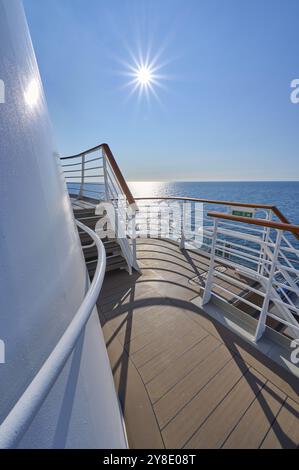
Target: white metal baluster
x,y
148,217
134,243
183,223
106,184
209,282
263,315
159,217
265,238
82,177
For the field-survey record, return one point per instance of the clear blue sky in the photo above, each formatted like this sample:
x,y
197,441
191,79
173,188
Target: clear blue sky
x,y
223,109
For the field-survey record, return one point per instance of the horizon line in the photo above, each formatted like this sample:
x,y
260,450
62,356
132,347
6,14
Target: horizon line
x,y
213,181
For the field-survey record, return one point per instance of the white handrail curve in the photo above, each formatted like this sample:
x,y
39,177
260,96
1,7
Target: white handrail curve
x,y
20,417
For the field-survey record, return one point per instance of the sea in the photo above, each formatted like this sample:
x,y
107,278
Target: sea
x,y
282,194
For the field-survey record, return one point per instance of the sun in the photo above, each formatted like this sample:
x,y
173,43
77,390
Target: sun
x,y
144,75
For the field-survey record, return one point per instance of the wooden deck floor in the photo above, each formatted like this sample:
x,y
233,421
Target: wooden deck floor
x,y
184,380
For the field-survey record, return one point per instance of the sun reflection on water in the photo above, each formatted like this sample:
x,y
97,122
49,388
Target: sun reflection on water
x,y
147,188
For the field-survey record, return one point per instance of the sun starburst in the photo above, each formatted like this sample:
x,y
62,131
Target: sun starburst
x,y
145,77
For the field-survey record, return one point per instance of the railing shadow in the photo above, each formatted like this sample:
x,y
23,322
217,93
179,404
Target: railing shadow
x,y
126,303
234,343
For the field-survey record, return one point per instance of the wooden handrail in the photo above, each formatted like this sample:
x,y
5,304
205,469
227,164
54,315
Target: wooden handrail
x,y
93,149
275,210
118,174
284,220
264,223
132,200
280,215
210,201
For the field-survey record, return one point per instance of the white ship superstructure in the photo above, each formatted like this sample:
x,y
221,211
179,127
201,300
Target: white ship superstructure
x,y
44,282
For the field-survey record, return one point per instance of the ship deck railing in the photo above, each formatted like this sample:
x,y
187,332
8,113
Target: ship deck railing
x,y
233,285
256,240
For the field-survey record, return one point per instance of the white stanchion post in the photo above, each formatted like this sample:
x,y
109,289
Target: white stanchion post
x,y
209,283
263,315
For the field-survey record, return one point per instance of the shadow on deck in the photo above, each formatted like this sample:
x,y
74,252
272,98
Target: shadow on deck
x,y
183,379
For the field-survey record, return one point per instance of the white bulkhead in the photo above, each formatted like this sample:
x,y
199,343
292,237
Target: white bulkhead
x,y
43,277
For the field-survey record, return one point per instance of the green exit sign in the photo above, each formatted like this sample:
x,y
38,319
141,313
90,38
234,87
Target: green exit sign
x,y
243,212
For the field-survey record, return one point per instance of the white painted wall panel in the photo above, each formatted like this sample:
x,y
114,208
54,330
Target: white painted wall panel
x,y
42,270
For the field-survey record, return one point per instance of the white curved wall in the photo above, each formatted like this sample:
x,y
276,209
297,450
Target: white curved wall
x,y
42,270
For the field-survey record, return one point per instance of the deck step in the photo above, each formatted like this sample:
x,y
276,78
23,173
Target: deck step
x,y
111,248
90,222
83,213
113,262
114,258
120,265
